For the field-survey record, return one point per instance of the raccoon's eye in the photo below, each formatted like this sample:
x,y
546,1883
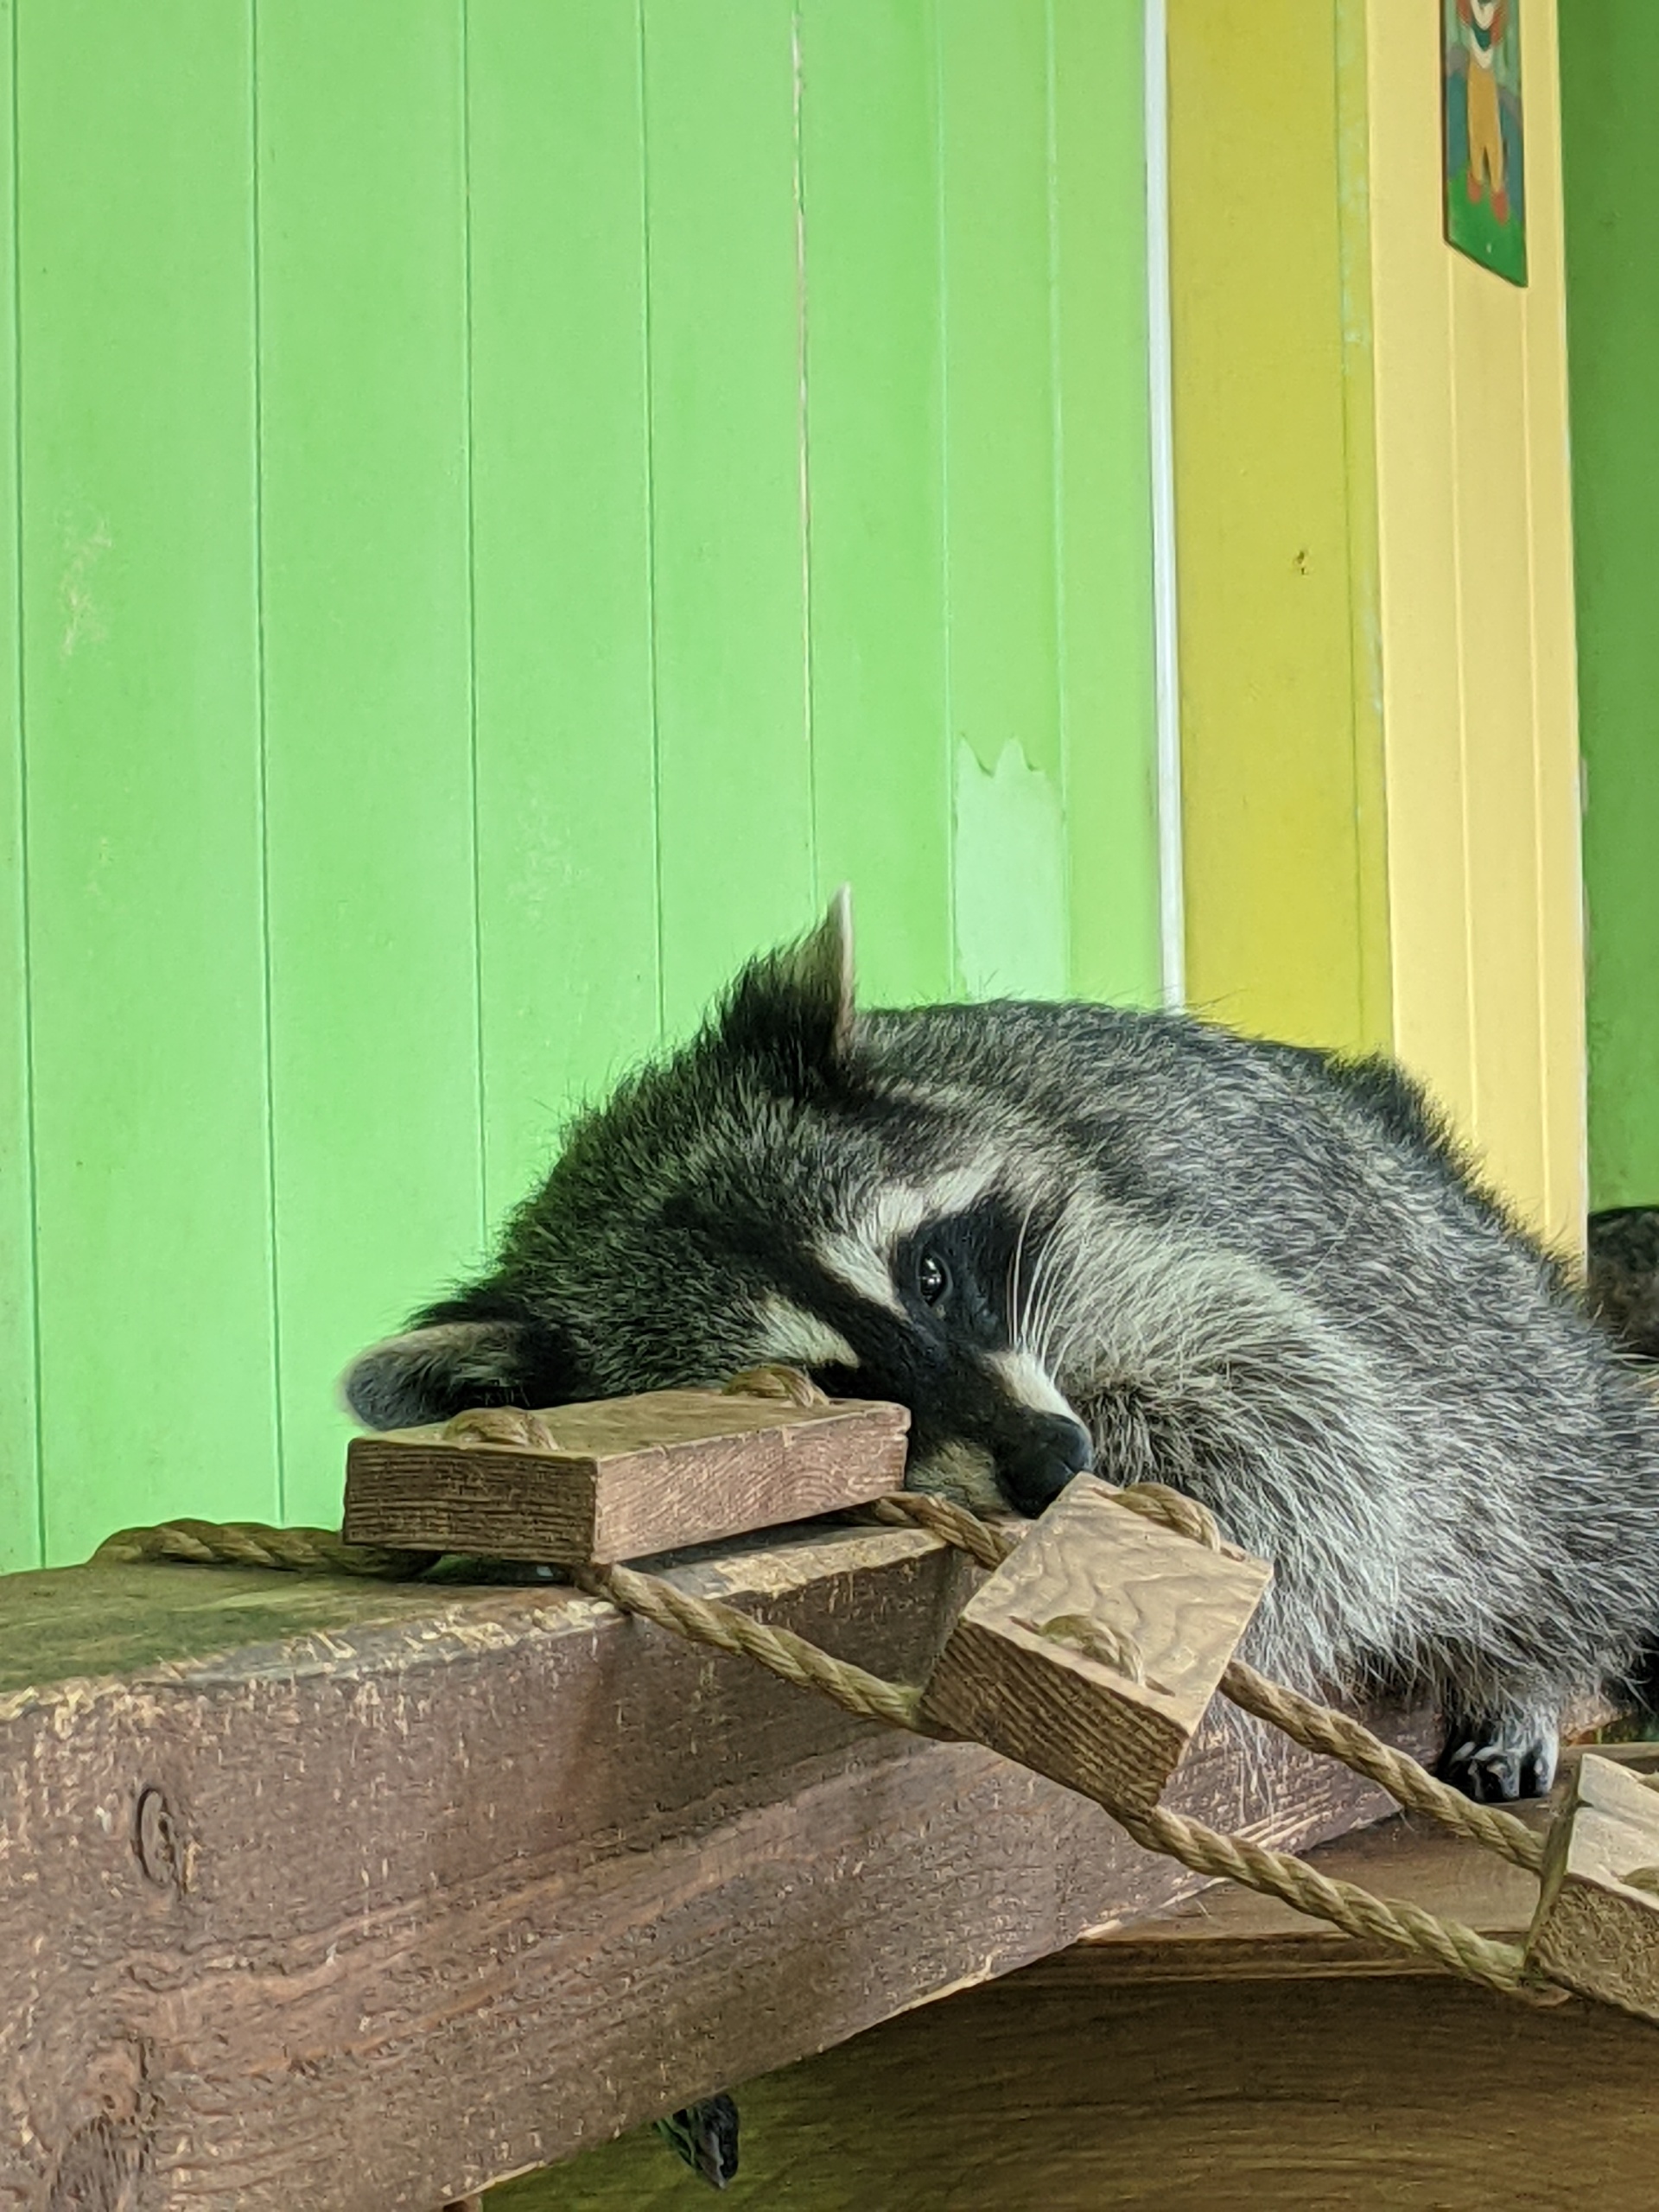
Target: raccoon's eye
x,y
933,1278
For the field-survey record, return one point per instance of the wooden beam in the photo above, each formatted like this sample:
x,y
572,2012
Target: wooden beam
x,y
357,1895
619,1477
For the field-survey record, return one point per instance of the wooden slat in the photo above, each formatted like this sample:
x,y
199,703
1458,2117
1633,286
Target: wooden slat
x,y
1104,497
1597,1929
734,744
561,562
1012,925
1420,2096
20,1498
621,1478
356,1895
363,431
1092,1653
875,462
141,695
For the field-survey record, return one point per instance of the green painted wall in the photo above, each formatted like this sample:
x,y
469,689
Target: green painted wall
x,y
516,499
1610,101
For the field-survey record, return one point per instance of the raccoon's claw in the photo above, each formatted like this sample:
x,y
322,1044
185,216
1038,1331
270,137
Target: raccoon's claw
x,y
705,2136
1495,1768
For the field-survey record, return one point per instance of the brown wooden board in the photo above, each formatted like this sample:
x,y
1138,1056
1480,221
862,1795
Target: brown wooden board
x,y
629,1477
356,1895
1597,1929
1093,1653
1333,2095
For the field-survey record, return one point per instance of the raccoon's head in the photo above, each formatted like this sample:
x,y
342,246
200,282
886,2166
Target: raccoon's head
x,y
776,1190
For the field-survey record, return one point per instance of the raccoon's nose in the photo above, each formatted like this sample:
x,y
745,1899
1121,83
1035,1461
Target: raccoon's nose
x,y
1051,1450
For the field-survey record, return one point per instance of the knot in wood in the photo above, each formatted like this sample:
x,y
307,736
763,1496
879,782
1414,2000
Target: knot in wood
x,y
1096,1640
510,1426
155,1838
1172,1508
774,1381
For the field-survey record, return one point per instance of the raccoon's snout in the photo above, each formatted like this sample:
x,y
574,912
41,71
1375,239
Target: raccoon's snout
x,y
1051,1450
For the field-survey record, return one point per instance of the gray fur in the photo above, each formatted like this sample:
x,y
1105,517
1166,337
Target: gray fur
x,y
1251,1270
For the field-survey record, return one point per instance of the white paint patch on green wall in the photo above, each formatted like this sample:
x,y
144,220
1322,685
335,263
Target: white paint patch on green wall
x,y
1012,913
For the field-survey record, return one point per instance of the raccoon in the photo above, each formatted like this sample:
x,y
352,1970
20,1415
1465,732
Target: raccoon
x,y
1069,1237
1624,1277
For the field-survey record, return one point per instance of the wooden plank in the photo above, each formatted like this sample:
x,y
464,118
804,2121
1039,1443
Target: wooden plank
x,y
363,428
870,187
1092,1653
1415,2097
1557,762
1608,71
141,695
619,1478
1103,476
567,971
1011,918
735,759
1283,859
1597,1929
352,1896
1492,520
20,1470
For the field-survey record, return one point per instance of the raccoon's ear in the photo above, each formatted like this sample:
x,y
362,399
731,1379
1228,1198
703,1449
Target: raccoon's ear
x,y
792,1011
428,1374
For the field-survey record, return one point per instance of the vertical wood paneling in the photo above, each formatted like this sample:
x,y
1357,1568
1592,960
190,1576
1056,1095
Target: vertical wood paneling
x,y
1476,600
1103,468
20,1494
363,360
560,471
1610,87
1284,875
1500,792
733,742
519,497
1417,472
144,804
1010,860
881,770
1560,916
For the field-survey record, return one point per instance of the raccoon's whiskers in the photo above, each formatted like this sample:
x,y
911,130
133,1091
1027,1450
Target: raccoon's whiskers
x,y
1013,1278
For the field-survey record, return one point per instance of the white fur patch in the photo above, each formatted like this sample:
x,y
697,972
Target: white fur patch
x,y
1027,1383
851,1261
791,1336
862,1256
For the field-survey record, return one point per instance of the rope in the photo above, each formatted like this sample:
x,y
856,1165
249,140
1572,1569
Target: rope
x,y
1450,1944
250,1543
707,1621
1317,1728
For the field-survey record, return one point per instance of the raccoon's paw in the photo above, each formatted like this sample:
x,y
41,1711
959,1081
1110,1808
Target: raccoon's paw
x,y
1495,1758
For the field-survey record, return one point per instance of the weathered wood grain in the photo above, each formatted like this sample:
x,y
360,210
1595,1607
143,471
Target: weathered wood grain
x,y
1597,1929
357,1897
626,1476
1092,1653
1382,2094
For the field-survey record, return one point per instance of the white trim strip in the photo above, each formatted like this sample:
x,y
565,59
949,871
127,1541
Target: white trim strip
x,y
1172,901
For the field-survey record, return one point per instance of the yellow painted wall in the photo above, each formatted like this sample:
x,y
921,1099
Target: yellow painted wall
x,y
1377,686
1476,604
1282,825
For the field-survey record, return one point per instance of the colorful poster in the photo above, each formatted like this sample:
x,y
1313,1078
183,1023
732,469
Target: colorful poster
x,y
1485,169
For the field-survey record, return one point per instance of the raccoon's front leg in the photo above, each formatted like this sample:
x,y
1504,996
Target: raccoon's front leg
x,y
1496,1756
